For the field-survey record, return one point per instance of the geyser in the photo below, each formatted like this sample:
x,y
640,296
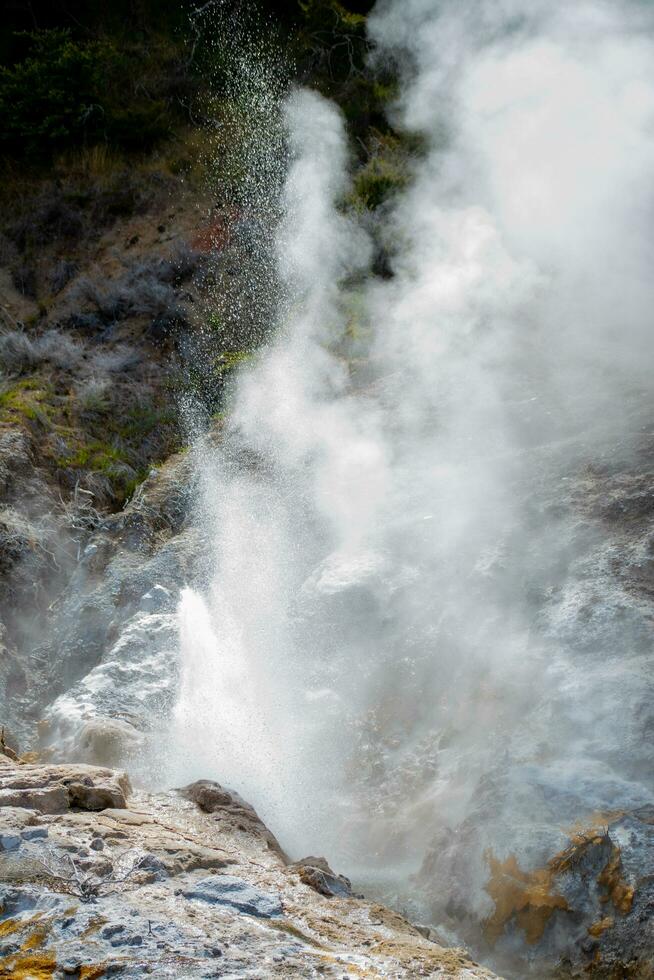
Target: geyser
x,y
417,645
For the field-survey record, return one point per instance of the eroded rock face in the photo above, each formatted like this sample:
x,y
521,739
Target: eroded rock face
x,y
55,789
587,911
227,806
110,639
164,886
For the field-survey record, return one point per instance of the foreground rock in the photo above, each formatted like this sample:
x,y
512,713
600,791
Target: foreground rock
x,y
54,789
179,884
231,811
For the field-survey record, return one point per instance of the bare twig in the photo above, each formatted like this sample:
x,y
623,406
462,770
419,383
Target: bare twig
x,y
88,886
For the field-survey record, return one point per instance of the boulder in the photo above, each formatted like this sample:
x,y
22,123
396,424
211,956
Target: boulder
x,y
588,907
231,808
316,873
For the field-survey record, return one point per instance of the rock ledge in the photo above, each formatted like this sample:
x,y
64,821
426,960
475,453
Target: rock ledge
x,y
98,881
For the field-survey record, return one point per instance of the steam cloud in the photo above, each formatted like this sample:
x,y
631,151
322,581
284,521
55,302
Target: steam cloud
x,y
410,629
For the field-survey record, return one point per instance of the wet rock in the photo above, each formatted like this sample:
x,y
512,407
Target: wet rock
x,y
17,820
94,797
53,799
155,866
181,859
144,910
98,628
225,890
157,599
587,907
315,872
227,805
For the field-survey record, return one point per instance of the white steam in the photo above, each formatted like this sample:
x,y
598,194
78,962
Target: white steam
x,y
397,636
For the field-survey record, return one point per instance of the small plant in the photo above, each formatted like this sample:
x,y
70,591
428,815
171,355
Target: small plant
x,y
61,275
116,360
20,353
79,514
94,396
376,182
72,879
109,301
147,288
17,352
28,399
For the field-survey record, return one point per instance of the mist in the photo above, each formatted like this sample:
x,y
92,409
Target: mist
x,y
413,644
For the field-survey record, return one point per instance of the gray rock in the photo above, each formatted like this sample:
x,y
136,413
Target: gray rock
x,y
9,842
55,789
138,924
157,599
236,893
211,797
316,873
34,833
53,799
596,912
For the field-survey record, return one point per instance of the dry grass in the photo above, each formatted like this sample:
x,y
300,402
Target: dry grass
x,y
90,162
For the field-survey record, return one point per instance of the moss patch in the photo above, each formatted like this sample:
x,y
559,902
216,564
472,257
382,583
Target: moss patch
x,y
291,930
28,400
599,927
92,972
531,897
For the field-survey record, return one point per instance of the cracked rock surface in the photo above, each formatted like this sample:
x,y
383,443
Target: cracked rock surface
x,y
161,885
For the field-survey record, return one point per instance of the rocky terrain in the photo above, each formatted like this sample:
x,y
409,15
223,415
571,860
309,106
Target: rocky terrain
x,y
571,884
136,277
99,881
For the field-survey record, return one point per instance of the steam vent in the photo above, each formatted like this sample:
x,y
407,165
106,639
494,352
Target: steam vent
x,y
327,489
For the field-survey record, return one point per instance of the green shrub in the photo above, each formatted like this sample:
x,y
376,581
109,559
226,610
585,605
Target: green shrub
x,y
376,182
65,92
50,96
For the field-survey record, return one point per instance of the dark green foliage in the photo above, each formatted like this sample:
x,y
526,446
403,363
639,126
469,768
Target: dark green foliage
x,y
332,53
376,182
331,43
50,97
127,73
63,92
